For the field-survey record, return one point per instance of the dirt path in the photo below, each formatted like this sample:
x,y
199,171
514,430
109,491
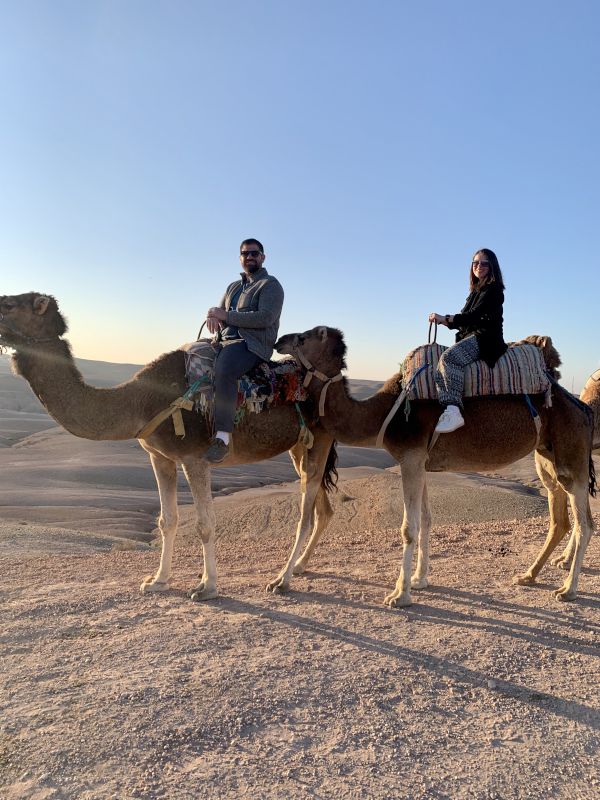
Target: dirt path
x,y
479,690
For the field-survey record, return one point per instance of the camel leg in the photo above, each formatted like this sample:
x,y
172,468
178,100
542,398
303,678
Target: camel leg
x,y
413,481
282,581
419,579
165,472
565,559
322,511
322,514
582,531
313,462
559,518
197,473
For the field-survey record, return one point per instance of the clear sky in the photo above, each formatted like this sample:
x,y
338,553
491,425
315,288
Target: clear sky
x,y
371,147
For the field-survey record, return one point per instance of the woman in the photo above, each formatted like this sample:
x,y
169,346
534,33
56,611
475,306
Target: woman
x,y
479,336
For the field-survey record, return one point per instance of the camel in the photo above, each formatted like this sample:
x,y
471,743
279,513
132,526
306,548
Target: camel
x,y
498,431
591,396
32,326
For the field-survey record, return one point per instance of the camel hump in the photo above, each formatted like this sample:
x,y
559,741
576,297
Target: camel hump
x,y
520,370
550,354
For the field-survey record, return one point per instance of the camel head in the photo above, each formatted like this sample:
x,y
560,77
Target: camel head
x,y
549,352
29,318
321,347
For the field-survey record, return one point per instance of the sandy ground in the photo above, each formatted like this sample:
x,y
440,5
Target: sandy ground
x,y
479,690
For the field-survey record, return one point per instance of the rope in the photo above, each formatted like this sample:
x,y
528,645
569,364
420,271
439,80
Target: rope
x,y
536,420
185,402
306,440
399,400
174,410
431,324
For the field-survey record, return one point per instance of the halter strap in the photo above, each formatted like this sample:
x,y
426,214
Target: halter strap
x,y
29,339
313,372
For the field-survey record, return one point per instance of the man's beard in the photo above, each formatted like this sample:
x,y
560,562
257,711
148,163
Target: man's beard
x,y
252,268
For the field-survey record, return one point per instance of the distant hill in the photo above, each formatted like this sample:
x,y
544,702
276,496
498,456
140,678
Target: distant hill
x,y
16,394
26,414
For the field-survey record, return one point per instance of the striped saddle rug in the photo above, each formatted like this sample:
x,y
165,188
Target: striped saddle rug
x,y
521,370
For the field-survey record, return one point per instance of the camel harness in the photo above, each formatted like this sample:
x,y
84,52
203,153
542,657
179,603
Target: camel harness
x,y
313,372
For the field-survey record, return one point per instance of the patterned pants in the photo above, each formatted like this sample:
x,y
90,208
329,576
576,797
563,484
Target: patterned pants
x,y
450,374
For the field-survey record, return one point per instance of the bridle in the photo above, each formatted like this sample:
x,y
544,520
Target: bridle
x,y
27,339
313,372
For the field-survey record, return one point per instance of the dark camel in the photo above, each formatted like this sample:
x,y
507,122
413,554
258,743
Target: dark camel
x,y
498,431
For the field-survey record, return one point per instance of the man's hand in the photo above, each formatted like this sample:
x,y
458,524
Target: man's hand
x,y
214,317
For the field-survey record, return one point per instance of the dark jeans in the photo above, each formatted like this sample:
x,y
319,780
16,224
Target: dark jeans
x,y
233,361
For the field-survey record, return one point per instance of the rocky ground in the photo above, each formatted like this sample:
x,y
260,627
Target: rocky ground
x,y
480,690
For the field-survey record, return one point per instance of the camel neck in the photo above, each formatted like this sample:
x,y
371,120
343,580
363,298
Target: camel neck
x,y
84,410
357,422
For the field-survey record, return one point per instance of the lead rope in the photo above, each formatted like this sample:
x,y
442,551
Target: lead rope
x,y
306,440
536,420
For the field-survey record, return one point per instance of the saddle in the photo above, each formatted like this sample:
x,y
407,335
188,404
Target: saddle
x,y
520,370
268,384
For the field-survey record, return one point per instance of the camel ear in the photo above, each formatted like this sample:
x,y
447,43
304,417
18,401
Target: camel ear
x,y
40,304
322,333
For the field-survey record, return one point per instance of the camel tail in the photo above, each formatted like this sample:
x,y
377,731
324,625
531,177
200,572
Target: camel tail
x,y
593,486
330,475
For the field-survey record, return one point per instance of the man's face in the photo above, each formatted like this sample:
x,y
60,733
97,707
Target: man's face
x,y
251,258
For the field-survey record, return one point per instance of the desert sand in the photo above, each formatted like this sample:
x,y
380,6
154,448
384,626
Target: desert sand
x,y
480,690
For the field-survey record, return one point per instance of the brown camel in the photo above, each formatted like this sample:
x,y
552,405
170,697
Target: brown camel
x,y
32,325
591,396
498,431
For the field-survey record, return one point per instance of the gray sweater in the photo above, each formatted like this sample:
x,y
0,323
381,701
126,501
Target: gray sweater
x,y
258,310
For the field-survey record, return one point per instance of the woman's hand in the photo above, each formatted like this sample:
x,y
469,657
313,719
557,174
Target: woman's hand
x,y
437,318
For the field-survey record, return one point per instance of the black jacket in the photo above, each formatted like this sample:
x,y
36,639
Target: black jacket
x,y
482,315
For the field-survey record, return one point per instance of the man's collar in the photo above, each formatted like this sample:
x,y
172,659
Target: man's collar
x,y
255,276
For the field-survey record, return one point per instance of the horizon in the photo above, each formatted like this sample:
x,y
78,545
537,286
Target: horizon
x,y
371,150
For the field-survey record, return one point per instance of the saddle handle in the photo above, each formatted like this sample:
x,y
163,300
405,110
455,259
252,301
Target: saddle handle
x,y
435,329
218,335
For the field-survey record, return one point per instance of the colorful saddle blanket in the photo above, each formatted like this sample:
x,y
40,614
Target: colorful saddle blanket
x,y
268,384
521,370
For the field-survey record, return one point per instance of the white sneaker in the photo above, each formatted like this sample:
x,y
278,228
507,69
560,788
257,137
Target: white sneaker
x,y
450,420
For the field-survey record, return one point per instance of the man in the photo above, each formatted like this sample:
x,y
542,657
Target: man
x,y
248,316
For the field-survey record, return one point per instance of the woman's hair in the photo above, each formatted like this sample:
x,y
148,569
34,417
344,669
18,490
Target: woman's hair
x,y
494,275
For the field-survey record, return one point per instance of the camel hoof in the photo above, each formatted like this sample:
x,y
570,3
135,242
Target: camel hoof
x,y
565,595
149,585
562,562
398,601
419,583
524,580
202,593
278,586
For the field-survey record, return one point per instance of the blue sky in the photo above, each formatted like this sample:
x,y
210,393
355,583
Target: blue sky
x,y
372,147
